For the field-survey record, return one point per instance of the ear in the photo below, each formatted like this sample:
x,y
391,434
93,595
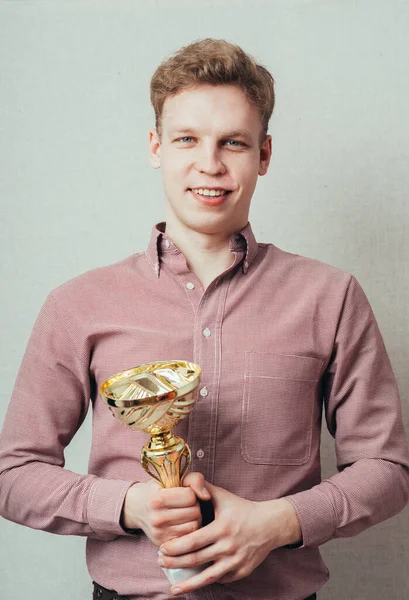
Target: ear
x,y
154,148
265,155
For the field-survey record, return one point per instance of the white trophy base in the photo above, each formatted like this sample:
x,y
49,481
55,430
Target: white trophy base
x,y
178,575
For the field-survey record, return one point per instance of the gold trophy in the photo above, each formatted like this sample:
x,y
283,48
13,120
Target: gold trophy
x,y
153,398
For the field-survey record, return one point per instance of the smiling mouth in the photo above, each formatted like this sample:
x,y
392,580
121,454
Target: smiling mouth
x,y
210,193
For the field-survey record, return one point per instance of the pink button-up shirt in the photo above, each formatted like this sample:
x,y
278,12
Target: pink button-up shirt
x,y
281,340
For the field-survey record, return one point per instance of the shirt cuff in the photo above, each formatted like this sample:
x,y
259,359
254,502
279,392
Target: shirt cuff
x,y
104,509
316,513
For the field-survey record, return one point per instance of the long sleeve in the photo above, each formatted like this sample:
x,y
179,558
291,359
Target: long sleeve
x,y
49,402
363,414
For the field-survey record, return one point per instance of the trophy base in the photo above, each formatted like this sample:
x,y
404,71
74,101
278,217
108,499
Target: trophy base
x,y
178,575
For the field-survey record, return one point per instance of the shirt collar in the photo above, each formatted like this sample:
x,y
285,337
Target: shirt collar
x,y
160,244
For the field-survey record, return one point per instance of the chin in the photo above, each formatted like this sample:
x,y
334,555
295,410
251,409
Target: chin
x,y
213,226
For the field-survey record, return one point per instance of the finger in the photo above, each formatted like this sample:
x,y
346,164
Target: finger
x,y
176,516
174,498
194,541
206,577
231,576
194,559
197,482
181,530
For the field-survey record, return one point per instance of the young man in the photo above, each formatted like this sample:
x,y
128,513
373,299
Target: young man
x,y
278,337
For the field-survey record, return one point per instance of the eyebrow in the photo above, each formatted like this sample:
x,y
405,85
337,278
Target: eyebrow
x,y
242,133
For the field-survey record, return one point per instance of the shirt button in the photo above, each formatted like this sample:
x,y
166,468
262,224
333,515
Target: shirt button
x,y
207,332
190,285
167,244
200,453
204,392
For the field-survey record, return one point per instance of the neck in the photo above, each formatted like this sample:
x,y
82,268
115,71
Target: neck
x,y
207,255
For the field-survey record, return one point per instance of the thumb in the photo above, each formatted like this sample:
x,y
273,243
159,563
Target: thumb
x,y
217,494
197,482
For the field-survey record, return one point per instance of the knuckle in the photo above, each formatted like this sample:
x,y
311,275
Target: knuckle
x,y
187,528
229,547
210,579
193,560
188,478
196,514
157,501
153,523
225,530
198,479
243,572
190,496
156,537
157,521
180,530
193,476
194,526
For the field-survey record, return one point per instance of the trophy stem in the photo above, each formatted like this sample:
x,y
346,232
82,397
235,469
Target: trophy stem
x,y
163,453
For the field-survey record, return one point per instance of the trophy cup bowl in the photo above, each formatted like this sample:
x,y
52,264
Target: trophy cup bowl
x,y
153,398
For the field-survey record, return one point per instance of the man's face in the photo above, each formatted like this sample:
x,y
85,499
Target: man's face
x,y
210,145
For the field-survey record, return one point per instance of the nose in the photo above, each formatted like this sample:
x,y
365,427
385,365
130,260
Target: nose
x,y
210,161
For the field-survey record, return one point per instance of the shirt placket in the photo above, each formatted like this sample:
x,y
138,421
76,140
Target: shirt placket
x,y
208,308
203,420
207,354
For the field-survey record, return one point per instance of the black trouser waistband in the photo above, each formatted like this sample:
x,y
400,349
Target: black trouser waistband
x,y
101,593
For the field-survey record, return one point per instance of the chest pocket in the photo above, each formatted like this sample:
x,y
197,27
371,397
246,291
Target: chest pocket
x,y
278,408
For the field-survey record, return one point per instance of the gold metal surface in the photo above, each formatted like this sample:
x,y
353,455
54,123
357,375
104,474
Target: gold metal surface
x,y
153,398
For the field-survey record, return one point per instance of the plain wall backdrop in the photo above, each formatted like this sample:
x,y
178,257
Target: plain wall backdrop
x,y
77,192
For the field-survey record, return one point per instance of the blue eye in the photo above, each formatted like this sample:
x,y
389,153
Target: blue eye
x,y
182,139
233,142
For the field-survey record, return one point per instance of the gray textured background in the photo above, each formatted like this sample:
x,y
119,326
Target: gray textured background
x,y
77,192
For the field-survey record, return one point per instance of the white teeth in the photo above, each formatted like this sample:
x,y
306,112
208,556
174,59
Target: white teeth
x,y
206,192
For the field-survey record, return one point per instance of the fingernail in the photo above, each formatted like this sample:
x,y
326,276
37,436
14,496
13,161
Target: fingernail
x,y
176,591
163,551
160,562
205,493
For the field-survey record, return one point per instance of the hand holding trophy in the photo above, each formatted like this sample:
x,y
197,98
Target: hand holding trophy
x,y
153,398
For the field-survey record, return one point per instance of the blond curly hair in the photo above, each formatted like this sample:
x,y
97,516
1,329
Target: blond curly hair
x,y
213,62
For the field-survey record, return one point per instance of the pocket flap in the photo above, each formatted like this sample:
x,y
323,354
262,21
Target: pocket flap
x,y
283,366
